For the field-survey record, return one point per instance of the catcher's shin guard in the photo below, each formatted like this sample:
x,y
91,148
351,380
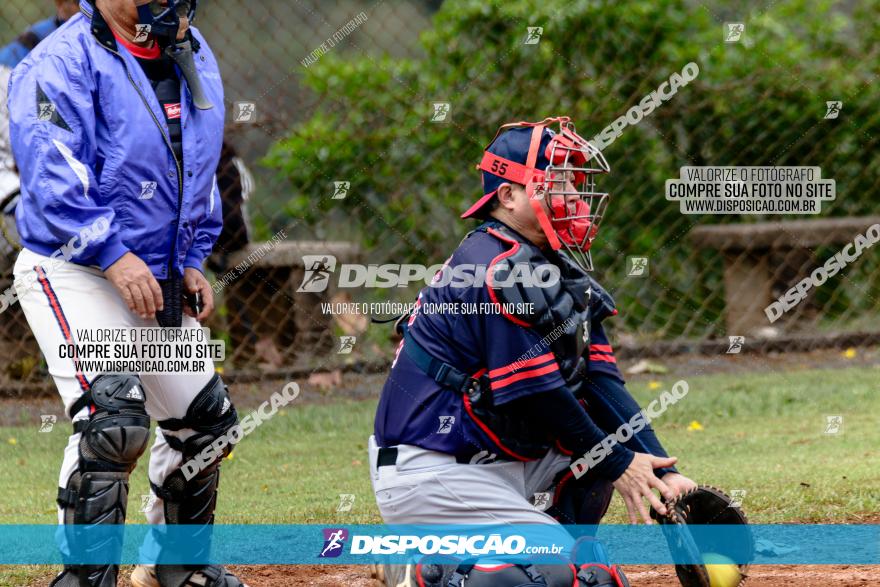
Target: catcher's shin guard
x,y
598,575
190,492
563,574
494,575
594,568
111,441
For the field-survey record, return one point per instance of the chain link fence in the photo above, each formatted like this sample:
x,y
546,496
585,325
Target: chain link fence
x,y
333,148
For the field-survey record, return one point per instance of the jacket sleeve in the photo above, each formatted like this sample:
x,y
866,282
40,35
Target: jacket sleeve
x,y
52,130
207,231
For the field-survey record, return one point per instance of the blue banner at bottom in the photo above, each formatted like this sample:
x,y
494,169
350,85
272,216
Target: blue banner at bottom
x,y
364,544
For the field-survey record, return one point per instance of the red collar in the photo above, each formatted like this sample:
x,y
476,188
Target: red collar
x,y
152,52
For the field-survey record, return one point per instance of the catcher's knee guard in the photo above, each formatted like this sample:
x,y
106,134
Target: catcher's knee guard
x,y
523,575
112,439
190,492
590,568
593,566
598,575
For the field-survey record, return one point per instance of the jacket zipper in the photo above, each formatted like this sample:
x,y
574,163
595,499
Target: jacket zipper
x,y
173,155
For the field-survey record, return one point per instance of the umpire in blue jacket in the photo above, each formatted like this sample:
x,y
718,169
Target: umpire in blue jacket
x,y
116,126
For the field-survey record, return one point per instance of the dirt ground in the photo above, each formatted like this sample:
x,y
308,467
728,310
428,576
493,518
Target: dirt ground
x,y
316,575
639,576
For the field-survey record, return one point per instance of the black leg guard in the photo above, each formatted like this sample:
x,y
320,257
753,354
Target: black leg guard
x,y
507,575
113,438
190,492
589,565
193,500
69,577
561,575
596,575
594,567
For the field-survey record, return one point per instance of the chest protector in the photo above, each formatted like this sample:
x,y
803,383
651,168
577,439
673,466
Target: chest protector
x,y
545,291
557,306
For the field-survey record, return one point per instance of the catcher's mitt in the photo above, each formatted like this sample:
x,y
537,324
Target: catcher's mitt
x,y
705,505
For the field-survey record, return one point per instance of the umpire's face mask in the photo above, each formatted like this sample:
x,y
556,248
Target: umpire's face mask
x,y
168,22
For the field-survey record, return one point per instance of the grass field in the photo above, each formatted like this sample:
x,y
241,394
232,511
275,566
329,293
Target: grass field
x,y
763,433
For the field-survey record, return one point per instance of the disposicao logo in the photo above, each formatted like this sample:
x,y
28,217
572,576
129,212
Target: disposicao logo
x,y
334,540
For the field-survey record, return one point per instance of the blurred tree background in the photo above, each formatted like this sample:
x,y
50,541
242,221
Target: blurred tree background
x,y
760,101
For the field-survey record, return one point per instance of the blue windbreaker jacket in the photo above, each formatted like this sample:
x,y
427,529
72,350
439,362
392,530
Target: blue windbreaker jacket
x,y
91,141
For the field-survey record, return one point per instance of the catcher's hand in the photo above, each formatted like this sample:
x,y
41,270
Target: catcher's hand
x,y
704,505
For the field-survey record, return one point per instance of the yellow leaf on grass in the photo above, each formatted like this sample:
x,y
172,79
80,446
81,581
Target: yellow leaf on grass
x,y
850,353
653,385
694,425
12,441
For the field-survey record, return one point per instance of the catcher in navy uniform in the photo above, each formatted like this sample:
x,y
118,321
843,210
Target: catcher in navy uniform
x,y
484,411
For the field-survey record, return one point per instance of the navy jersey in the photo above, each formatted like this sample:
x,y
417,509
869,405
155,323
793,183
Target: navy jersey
x,y
453,325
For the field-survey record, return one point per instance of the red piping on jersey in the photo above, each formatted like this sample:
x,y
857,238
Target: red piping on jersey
x,y
488,432
63,324
565,479
562,449
602,348
489,275
419,575
549,368
519,365
603,358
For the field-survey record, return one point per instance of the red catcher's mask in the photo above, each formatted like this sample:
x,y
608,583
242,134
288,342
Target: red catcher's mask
x,y
565,188
573,222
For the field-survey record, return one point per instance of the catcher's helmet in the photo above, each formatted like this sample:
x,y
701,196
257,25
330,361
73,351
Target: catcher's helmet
x,y
553,166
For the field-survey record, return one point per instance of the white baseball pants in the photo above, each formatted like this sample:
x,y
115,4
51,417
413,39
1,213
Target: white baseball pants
x,y
428,487
58,301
